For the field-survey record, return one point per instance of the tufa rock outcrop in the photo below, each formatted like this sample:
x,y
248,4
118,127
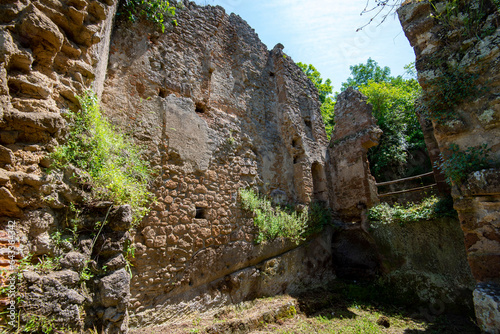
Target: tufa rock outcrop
x,y
466,43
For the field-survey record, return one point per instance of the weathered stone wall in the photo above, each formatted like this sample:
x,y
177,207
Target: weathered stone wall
x,y
50,51
351,186
439,43
218,112
426,259
352,189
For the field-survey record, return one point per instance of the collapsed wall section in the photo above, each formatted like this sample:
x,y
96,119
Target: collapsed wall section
x,y
217,112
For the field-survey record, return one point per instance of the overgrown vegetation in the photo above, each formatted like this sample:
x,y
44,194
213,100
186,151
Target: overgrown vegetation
x,y
394,109
429,208
283,222
466,16
457,164
156,11
111,163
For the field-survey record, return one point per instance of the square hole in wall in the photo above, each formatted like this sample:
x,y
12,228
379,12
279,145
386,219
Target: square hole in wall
x,y
200,213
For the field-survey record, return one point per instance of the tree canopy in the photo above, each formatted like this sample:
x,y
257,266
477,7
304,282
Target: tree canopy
x,y
361,74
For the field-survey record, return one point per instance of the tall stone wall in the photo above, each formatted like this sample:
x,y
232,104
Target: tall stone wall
x,y
218,112
50,51
441,42
352,189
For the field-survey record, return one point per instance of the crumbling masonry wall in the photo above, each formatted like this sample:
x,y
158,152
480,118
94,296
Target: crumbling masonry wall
x,y
218,112
439,44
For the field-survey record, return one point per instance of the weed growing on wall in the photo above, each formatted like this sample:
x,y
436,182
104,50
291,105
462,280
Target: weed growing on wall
x,y
430,208
278,222
457,164
111,162
156,11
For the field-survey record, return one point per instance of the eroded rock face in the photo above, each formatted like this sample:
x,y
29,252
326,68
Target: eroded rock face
x,y
487,301
475,121
352,188
218,112
427,260
50,51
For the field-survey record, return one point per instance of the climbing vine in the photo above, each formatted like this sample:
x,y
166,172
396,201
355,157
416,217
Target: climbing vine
x,y
457,164
454,86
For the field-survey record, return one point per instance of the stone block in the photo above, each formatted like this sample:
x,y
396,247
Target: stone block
x,y
487,307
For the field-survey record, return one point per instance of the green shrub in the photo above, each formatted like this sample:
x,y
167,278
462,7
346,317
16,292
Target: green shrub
x,y
156,11
459,164
430,208
274,221
111,163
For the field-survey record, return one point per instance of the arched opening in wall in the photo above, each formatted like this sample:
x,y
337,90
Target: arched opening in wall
x,y
320,189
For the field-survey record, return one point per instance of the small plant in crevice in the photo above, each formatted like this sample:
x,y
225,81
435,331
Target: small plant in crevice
x,y
111,163
156,11
283,222
41,324
457,164
129,254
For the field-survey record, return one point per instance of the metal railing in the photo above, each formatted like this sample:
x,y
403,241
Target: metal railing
x,y
404,180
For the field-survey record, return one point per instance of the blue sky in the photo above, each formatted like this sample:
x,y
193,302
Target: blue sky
x,y
323,33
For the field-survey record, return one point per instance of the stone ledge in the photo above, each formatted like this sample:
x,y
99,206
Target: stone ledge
x,y
487,305
483,182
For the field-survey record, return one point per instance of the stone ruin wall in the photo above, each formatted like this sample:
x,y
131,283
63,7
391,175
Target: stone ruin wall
x,y
219,112
352,188
216,110
477,200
